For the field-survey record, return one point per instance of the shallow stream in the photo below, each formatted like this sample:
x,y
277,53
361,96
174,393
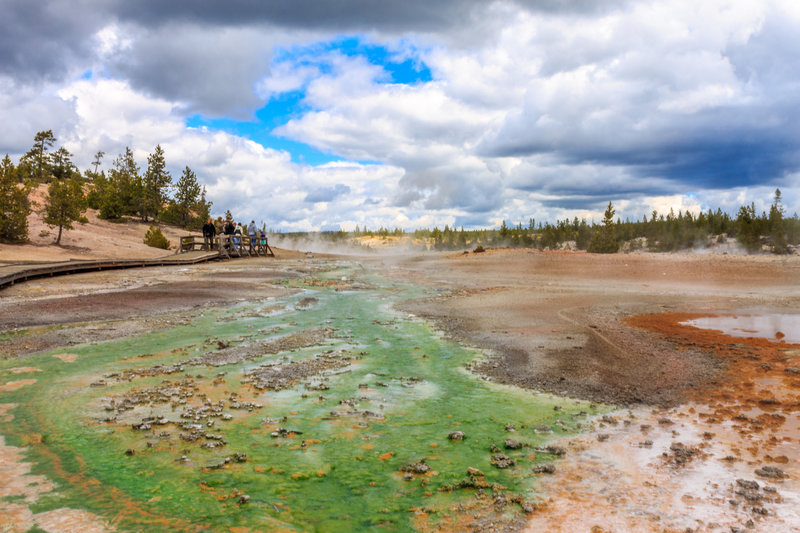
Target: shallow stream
x,y
325,410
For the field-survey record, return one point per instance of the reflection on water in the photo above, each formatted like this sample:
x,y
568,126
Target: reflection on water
x,y
774,327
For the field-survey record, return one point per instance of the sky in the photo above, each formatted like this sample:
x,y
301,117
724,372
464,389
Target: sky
x,y
323,115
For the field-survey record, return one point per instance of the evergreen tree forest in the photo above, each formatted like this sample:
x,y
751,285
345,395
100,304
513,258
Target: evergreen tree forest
x,y
771,232
126,191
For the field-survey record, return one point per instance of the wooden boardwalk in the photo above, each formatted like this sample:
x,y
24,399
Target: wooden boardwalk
x,y
189,252
229,245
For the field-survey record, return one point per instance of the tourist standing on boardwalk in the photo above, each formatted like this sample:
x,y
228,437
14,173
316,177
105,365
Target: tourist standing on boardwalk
x,y
209,232
228,229
251,231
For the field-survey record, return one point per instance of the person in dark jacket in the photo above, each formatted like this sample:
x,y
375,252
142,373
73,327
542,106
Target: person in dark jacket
x,y
228,229
209,232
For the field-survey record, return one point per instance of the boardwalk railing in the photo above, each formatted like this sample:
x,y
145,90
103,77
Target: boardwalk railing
x,y
229,245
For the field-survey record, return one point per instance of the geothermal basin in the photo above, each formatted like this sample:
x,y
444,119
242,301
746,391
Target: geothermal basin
x,y
506,391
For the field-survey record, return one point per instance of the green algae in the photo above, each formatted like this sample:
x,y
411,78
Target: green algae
x,y
340,464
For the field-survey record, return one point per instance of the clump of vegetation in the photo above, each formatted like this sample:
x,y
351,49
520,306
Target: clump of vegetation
x,y
65,199
155,238
14,205
126,190
604,240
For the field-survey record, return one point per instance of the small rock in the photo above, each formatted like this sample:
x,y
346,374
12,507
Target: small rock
x,y
602,437
792,370
243,499
512,444
510,427
501,460
748,484
553,450
770,472
456,435
130,451
474,471
416,468
544,469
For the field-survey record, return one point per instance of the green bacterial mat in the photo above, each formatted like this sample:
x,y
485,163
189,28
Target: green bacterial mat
x,y
323,411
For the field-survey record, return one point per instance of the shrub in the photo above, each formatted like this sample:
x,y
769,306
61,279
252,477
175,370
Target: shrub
x,y
155,238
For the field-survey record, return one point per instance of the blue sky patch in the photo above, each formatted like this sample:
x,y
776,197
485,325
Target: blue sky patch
x,y
399,68
259,131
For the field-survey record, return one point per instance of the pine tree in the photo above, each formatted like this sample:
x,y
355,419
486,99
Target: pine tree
x,y
65,202
604,239
37,158
776,225
98,158
14,205
187,195
156,180
121,196
61,166
202,208
748,232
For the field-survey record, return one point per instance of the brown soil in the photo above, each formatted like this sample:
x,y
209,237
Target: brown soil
x,y
126,302
605,328
609,328
557,321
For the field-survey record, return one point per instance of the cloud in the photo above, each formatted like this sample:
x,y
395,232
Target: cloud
x,y
45,41
440,112
660,91
326,194
25,112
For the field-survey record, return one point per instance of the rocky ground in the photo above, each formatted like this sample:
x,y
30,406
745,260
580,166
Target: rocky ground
x,y
707,439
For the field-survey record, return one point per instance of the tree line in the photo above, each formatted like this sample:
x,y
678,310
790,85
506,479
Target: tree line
x,y
768,231
125,191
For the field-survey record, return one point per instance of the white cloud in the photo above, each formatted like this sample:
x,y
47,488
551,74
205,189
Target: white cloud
x,y
546,113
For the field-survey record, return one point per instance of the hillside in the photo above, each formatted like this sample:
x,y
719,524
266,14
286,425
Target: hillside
x,y
97,239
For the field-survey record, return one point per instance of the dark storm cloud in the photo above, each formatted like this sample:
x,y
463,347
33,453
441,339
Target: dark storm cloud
x,y
720,149
211,73
43,40
207,54
753,141
344,15
584,203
